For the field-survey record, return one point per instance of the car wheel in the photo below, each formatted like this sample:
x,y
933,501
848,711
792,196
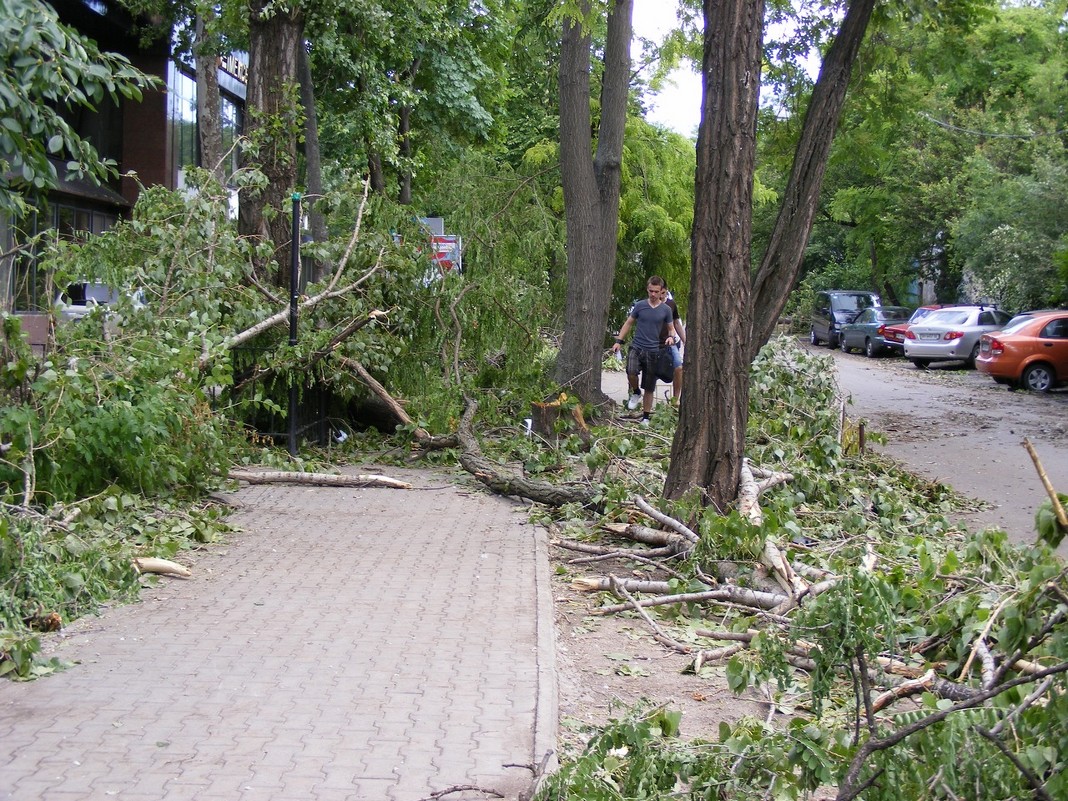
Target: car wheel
x,y
970,361
1037,378
920,363
869,349
815,340
842,343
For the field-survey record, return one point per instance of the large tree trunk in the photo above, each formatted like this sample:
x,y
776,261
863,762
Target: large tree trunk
x,y
209,105
591,194
272,124
710,439
782,260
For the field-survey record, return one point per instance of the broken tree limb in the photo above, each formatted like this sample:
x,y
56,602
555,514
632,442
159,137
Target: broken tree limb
x,y
601,584
665,520
631,556
738,595
1058,507
600,550
771,557
490,474
422,437
651,536
320,354
619,588
749,496
317,479
283,316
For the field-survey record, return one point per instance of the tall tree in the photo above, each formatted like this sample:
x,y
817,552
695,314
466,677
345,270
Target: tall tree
x,y
731,315
591,190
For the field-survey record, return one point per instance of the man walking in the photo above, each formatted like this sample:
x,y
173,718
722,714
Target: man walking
x,y
646,318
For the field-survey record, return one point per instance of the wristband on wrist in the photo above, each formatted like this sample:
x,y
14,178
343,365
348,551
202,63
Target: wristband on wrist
x,y
619,341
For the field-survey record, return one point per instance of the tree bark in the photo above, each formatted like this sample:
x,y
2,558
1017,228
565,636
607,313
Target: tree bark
x,y
591,194
209,104
709,443
781,264
274,38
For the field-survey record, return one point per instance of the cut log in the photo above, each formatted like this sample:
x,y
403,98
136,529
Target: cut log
x,y
650,536
165,567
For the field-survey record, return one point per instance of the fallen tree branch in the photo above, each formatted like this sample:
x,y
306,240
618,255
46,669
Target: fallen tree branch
x,y
601,584
665,520
677,543
851,786
1058,507
1038,787
318,355
738,595
620,589
489,473
283,316
630,555
317,479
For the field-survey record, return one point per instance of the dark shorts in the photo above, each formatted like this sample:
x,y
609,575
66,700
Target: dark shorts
x,y
644,362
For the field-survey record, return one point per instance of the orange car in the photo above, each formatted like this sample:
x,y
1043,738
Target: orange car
x,y
1031,352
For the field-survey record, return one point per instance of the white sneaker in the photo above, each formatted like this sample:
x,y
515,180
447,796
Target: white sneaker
x,y
634,401
645,421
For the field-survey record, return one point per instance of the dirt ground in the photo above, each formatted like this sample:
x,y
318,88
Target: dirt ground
x,y
608,664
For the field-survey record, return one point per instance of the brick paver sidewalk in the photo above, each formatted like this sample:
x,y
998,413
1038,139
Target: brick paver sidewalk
x,y
348,644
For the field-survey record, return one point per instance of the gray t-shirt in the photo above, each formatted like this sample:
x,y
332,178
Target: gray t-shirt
x,y
647,324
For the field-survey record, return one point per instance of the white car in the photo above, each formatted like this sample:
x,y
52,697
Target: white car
x,y
82,297
952,334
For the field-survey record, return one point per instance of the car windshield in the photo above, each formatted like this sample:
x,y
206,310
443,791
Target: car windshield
x,y
852,302
948,317
893,314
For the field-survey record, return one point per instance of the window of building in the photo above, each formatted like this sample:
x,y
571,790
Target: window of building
x,y
30,288
181,122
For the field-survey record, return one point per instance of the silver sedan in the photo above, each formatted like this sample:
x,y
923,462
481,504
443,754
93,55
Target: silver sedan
x,y
952,334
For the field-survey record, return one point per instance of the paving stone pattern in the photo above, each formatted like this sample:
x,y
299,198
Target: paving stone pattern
x,y
347,644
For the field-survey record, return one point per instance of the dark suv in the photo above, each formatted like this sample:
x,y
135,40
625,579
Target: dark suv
x,y
833,309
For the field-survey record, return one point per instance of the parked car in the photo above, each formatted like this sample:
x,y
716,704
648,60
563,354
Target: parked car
x,y
1031,352
866,332
952,334
833,309
894,335
82,297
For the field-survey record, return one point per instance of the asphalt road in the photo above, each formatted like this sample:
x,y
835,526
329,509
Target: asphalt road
x,y
959,427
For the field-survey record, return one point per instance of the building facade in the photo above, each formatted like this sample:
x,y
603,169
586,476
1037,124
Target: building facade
x,y
155,138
